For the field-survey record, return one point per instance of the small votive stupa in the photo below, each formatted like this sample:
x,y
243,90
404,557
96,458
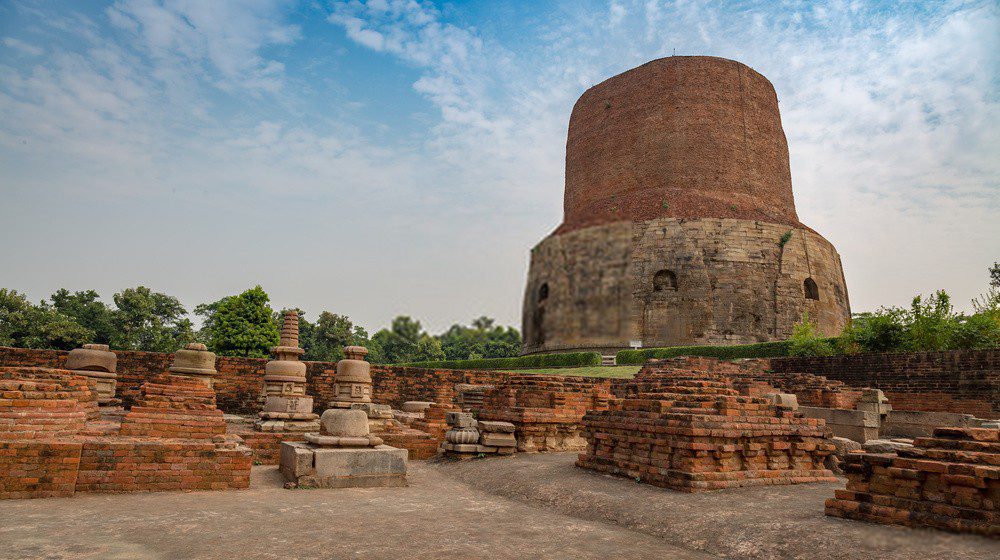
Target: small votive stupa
x,y
287,408
352,383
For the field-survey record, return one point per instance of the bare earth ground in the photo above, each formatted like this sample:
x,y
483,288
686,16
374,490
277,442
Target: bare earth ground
x,y
525,507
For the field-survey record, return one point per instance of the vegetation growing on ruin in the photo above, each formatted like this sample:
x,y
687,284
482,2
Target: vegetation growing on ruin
x,y
806,341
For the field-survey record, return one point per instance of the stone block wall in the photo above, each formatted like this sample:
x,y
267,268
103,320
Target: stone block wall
x,y
679,282
961,381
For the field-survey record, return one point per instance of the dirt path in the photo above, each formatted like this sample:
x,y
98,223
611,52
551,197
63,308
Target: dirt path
x,y
435,517
773,522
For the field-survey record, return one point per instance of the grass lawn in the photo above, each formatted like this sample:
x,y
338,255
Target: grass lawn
x,y
623,372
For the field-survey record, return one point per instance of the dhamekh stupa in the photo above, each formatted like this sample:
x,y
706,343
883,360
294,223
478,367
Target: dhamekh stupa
x,y
679,224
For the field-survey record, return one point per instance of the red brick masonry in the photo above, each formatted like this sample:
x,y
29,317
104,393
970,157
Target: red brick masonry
x,y
963,381
949,481
48,449
546,410
698,433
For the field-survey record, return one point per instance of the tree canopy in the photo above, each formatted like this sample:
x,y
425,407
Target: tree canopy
x,y
241,325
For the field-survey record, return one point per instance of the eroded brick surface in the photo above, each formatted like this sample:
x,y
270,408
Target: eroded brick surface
x,y
949,481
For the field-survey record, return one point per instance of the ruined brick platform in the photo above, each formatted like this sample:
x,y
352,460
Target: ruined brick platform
x,y
49,449
949,481
546,410
698,433
173,406
749,377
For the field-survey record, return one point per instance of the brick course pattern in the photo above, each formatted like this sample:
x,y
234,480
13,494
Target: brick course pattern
x,y
239,380
546,410
949,481
961,381
47,447
171,406
40,402
749,377
697,433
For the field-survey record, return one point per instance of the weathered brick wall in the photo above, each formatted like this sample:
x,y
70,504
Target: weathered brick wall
x,y
964,381
113,465
239,380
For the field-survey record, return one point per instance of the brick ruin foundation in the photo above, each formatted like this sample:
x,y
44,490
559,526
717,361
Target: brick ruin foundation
x,y
54,442
691,430
546,410
948,481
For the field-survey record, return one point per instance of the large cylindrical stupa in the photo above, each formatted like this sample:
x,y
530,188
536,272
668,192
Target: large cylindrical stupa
x,y
679,223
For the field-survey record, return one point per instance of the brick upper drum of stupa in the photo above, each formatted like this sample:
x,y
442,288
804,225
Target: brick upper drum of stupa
x,y
545,409
287,408
697,433
948,481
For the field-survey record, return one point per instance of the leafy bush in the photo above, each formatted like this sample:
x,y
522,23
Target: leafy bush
x,y
569,359
806,342
759,350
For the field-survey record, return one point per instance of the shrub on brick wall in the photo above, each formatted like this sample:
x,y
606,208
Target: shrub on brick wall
x,y
569,359
759,350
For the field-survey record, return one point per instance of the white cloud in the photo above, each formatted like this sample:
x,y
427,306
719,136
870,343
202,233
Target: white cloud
x,y
222,38
23,47
892,117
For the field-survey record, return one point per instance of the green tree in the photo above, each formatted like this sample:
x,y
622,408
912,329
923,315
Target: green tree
x,y
29,326
806,340
884,330
241,325
331,334
481,340
87,309
150,321
932,323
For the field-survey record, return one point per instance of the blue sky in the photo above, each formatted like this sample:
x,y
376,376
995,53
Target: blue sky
x,y
397,157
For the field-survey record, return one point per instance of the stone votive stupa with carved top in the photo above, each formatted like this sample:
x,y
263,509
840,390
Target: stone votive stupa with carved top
x,y
353,382
287,408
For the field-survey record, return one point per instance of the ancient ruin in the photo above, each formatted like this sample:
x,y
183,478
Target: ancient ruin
x,y
353,382
948,481
467,437
697,433
679,221
54,442
97,362
343,454
546,410
287,408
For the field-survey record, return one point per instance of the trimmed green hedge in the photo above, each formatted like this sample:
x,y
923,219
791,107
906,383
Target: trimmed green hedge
x,y
760,350
569,359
